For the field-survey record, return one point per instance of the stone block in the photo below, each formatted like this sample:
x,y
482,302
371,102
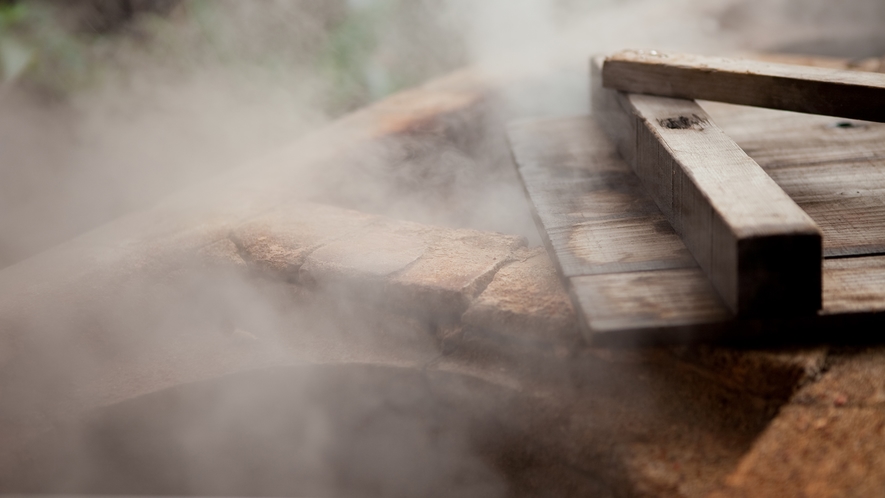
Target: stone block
x,y
367,256
455,268
278,242
525,301
421,270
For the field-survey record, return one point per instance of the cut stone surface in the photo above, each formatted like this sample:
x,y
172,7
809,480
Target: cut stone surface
x,y
372,254
457,265
278,242
430,271
526,301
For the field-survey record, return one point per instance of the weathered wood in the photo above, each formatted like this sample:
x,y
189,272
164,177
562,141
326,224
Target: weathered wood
x,y
854,285
833,168
656,299
814,90
600,226
760,250
594,215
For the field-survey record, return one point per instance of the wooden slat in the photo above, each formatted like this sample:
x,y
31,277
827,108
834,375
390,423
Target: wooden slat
x,y
593,213
622,303
761,252
649,306
814,90
833,168
853,285
679,305
600,227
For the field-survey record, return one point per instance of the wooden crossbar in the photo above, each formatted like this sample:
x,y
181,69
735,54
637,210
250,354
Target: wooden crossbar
x,y
760,250
814,90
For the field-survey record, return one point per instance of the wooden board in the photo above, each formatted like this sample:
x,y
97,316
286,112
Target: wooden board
x,y
594,213
833,168
761,251
814,90
664,297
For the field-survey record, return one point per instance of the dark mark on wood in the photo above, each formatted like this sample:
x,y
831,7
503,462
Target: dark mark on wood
x,y
683,122
846,124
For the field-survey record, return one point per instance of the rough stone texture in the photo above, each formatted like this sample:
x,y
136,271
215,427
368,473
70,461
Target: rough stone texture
x,y
525,301
371,255
769,374
827,442
457,266
279,242
430,271
815,452
853,379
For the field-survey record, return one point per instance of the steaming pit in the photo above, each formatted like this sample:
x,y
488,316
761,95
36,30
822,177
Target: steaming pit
x,y
285,330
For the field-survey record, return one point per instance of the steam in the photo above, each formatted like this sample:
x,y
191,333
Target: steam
x,y
177,99
215,86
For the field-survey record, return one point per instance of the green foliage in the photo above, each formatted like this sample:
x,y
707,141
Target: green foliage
x,y
348,57
359,50
35,48
11,14
383,46
15,56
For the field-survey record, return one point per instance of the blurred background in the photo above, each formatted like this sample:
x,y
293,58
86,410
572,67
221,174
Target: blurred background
x,y
108,105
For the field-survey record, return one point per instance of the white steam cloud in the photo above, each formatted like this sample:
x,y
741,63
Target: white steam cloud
x,y
180,98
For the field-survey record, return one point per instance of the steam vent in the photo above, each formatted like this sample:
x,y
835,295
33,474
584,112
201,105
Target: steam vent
x,y
639,254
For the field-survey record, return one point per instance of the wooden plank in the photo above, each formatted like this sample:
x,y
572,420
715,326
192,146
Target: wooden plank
x,y
813,90
647,302
761,252
833,168
848,202
667,306
650,306
592,212
618,245
853,285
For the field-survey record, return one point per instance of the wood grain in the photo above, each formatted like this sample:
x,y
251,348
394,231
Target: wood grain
x,y
665,306
761,252
618,253
813,90
593,213
854,285
833,168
